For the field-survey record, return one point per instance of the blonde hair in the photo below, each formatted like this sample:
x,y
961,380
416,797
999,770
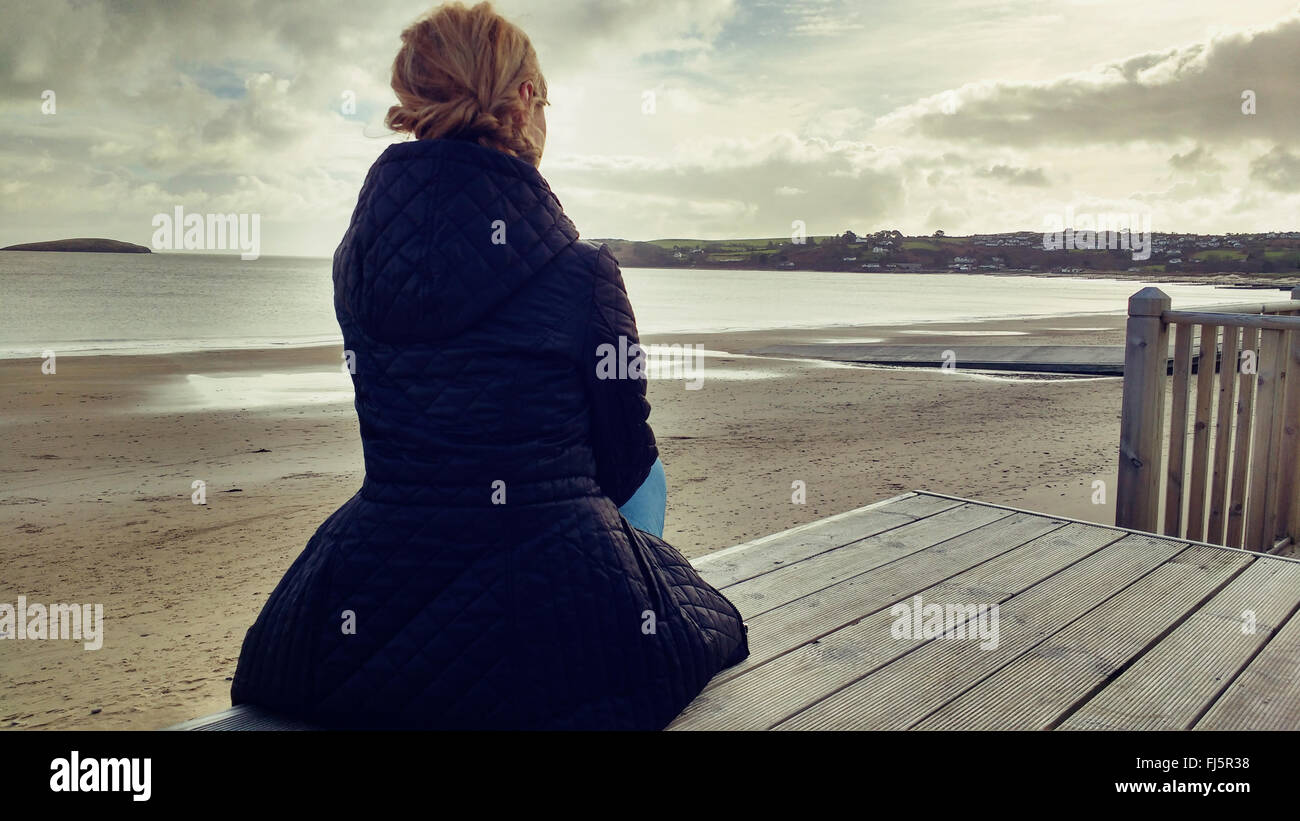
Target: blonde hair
x,y
457,76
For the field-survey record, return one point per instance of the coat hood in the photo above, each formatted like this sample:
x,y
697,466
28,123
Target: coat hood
x,y
443,232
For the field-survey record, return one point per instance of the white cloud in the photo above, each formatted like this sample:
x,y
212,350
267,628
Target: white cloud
x,y
827,111
1193,90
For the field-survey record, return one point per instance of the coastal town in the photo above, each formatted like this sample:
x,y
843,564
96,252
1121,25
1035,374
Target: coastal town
x,y
1261,258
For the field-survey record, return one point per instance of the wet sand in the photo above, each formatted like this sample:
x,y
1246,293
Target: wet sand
x,y
96,482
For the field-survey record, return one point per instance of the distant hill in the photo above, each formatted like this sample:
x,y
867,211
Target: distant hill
x,y
1263,259
92,245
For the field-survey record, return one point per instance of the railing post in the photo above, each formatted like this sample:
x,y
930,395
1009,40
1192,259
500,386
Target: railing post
x,y
1141,433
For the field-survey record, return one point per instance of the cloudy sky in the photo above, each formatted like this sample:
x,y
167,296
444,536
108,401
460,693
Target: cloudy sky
x,y
910,114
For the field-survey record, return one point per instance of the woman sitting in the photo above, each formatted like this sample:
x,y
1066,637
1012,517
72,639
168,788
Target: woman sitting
x,y
483,576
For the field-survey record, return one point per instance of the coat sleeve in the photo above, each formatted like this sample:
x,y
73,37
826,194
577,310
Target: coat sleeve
x,y
621,436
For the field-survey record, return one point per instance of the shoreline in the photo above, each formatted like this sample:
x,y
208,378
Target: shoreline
x,y
260,347
166,347
1219,279
97,480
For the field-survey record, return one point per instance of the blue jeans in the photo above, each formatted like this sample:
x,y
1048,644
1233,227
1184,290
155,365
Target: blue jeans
x,y
645,510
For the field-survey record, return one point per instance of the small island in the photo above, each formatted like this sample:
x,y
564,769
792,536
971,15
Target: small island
x,y
89,245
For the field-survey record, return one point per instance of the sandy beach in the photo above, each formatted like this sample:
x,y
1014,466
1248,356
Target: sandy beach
x,y
101,457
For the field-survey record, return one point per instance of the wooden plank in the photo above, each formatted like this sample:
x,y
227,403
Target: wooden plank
x,y
1224,418
1141,439
765,555
1265,695
1265,322
1241,447
701,562
908,689
1201,432
1293,449
1277,451
1171,686
791,581
1263,465
822,663
780,630
1287,431
1176,469
1040,687
920,505
1285,307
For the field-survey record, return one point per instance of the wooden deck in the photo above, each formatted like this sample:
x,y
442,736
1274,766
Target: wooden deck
x,y
1097,627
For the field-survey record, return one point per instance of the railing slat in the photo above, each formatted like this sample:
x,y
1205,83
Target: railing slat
x,y
1241,448
1209,352
1285,444
1291,411
1263,464
1224,417
1176,469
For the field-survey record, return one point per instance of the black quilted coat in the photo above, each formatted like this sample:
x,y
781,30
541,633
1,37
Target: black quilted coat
x,y
483,577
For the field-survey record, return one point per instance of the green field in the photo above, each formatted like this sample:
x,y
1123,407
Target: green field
x,y
1221,253
920,245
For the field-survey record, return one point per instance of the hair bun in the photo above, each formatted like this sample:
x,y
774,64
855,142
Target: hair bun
x,y
457,75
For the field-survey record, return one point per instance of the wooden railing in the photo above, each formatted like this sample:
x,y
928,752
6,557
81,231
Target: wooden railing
x,y
1235,482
